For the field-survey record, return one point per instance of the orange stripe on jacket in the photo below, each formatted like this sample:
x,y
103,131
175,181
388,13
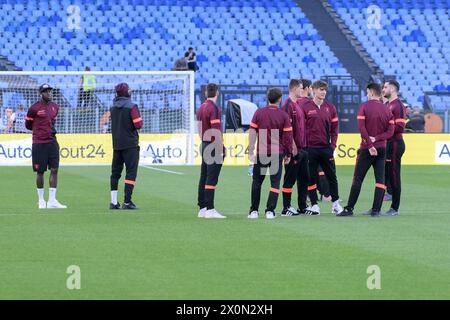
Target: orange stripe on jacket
x,y
215,121
287,129
381,186
130,182
253,125
313,187
209,187
274,190
400,121
335,119
391,122
361,117
137,120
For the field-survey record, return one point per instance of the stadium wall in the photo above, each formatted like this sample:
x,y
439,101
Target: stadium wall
x,y
170,149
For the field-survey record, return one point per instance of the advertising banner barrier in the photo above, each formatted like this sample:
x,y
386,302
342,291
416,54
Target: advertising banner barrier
x,y
170,149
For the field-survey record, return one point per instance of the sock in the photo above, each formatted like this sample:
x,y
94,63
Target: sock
x,y
114,196
40,193
128,192
51,194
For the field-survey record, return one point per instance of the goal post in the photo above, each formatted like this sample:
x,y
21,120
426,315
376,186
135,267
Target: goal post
x,y
165,99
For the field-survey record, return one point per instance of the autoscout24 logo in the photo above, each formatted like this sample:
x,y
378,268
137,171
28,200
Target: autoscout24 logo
x,y
442,152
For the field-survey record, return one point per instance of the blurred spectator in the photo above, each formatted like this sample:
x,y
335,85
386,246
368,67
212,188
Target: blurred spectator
x,y
105,123
415,120
191,58
88,83
8,120
19,124
180,65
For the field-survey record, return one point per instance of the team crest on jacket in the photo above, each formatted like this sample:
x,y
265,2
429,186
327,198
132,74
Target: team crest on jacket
x,y
312,112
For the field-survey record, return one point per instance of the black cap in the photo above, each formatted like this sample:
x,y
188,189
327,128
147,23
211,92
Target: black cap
x,y
44,87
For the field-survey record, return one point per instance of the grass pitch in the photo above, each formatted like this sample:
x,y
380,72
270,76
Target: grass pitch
x,y
163,251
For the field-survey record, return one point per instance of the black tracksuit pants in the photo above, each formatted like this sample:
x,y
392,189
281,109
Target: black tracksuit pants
x,y
324,158
260,170
209,176
363,163
129,158
296,171
394,152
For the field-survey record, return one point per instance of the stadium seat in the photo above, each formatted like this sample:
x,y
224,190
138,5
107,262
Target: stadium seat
x,y
419,31
121,35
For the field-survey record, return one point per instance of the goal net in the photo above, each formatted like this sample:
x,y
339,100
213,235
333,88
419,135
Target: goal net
x,y
165,100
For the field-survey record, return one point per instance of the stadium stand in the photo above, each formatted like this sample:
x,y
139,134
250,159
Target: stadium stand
x,y
257,42
413,42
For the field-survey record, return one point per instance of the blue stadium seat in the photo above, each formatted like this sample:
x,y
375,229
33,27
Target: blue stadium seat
x,y
137,34
417,29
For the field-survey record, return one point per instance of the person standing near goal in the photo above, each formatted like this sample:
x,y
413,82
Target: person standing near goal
x,y
125,123
212,152
41,119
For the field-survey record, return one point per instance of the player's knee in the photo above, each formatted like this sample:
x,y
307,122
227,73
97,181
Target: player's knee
x,y
115,176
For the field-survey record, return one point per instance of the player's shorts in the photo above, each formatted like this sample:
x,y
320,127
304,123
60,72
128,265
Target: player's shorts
x,y
45,155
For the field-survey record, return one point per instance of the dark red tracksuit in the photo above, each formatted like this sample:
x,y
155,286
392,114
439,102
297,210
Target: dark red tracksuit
x,y
210,130
322,127
297,169
395,150
374,120
41,118
273,130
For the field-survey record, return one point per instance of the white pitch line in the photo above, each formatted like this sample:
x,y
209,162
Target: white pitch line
x,y
163,170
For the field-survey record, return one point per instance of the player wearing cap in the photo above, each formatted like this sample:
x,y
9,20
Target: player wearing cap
x,y
125,122
41,118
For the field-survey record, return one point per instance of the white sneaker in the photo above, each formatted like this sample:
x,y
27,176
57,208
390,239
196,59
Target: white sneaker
x,y
314,210
42,204
213,214
337,208
253,215
291,211
201,213
55,205
270,215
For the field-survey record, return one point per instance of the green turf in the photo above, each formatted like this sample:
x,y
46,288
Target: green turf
x,y
164,251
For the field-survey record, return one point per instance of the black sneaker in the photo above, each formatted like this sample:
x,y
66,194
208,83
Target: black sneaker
x,y
301,211
346,213
129,206
391,213
375,213
114,206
